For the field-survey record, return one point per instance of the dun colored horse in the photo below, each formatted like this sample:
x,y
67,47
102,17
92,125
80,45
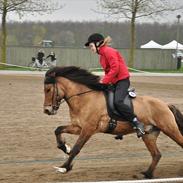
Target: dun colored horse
x,y
88,112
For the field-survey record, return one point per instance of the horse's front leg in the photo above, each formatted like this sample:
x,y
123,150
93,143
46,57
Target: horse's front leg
x,y
61,144
83,138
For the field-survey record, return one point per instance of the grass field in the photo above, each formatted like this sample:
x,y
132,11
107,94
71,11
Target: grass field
x,y
16,68
147,70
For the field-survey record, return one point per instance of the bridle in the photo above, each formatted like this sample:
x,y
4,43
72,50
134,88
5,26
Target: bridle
x,y
58,99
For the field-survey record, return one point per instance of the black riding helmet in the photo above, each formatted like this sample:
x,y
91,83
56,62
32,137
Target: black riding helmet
x,y
95,38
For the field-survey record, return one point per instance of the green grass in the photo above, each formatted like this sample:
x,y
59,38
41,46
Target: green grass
x,y
146,70
165,71
13,68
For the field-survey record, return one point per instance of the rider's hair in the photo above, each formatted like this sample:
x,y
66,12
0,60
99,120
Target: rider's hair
x,y
107,41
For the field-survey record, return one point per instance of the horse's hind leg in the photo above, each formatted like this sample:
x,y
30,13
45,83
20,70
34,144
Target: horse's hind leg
x,y
168,126
61,144
174,135
150,142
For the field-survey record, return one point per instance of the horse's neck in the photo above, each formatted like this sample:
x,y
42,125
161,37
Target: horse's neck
x,y
71,88
79,101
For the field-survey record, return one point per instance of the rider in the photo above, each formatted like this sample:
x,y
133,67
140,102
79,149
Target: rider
x,y
116,72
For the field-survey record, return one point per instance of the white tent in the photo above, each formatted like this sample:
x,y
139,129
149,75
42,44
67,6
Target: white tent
x,y
173,45
151,44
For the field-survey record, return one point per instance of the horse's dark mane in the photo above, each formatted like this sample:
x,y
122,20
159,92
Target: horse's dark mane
x,y
77,75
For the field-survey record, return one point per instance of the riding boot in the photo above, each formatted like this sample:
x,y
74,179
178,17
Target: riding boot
x,y
139,127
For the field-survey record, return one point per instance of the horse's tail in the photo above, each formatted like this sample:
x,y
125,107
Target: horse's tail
x,y
178,117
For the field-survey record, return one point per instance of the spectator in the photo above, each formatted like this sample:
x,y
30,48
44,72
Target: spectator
x,y
179,56
53,58
40,56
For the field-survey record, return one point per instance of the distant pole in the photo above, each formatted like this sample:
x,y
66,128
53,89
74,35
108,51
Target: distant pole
x,y
178,23
178,58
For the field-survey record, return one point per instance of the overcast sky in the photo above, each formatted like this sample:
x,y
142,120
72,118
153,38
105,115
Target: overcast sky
x,y
76,10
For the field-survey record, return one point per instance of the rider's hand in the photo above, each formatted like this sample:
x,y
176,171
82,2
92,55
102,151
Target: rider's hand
x,y
101,81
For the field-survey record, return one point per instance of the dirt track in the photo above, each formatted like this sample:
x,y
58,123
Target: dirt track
x,y
27,143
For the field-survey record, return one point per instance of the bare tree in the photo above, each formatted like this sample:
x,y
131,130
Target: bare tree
x,y
134,9
21,7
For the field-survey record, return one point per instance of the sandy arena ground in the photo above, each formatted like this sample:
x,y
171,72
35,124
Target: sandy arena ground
x,y
28,150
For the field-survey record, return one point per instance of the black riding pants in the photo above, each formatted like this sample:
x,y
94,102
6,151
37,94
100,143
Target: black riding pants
x,y
121,90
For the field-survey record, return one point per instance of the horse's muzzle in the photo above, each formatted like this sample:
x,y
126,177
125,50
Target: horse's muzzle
x,y
49,110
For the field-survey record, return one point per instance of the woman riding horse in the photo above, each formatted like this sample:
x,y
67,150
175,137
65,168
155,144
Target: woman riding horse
x,y
88,112
116,73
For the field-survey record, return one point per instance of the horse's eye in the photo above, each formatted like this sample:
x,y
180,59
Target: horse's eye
x,y
47,90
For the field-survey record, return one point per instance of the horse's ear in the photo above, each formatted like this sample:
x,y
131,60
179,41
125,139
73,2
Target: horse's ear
x,y
52,74
50,78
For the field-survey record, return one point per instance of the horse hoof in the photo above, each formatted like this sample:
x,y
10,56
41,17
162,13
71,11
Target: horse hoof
x,y
63,169
60,170
147,175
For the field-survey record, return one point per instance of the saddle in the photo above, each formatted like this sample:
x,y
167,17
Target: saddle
x,y
112,111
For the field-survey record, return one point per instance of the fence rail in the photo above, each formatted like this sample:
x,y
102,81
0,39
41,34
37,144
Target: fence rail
x,y
145,58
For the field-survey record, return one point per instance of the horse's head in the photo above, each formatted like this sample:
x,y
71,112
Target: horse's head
x,y
53,95
59,81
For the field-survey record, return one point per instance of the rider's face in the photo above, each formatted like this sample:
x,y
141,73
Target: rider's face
x,y
93,47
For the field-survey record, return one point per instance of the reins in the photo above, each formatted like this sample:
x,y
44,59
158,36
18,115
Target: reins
x,y
64,99
78,94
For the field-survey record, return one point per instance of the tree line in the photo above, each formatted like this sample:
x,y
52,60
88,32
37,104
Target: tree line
x,y
75,34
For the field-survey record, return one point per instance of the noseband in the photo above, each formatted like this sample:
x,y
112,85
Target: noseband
x,y
57,100
52,80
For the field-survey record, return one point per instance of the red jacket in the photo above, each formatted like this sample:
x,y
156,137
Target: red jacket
x,y
113,64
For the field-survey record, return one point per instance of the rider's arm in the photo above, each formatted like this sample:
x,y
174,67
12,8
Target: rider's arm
x,y
112,59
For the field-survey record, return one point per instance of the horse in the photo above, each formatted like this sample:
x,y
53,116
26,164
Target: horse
x,y
84,94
